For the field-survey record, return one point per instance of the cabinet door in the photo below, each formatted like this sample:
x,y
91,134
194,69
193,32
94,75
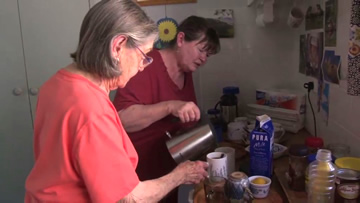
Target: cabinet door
x,y
16,154
50,32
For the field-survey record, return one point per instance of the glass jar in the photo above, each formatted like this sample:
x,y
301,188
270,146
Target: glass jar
x,y
214,187
297,167
339,150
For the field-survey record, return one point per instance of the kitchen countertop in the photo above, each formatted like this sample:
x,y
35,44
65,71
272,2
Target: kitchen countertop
x,y
279,190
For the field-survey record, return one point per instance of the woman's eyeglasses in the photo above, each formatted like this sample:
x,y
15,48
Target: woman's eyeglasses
x,y
147,59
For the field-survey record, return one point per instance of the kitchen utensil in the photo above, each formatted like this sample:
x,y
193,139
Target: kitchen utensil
x,y
191,144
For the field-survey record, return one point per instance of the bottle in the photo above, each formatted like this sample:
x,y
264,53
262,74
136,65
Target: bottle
x,y
229,104
310,158
322,175
217,123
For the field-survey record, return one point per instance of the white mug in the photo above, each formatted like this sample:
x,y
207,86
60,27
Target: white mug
x,y
296,16
230,154
236,131
217,164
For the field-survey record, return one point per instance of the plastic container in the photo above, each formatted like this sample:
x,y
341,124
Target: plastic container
x,y
349,163
314,144
322,175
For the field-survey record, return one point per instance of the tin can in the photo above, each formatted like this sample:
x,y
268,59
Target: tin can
x,y
347,186
234,186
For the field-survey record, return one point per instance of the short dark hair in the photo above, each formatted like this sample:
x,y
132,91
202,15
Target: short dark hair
x,y
195,27
104,21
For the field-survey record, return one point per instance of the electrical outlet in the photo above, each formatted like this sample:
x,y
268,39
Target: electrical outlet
x,y
309,86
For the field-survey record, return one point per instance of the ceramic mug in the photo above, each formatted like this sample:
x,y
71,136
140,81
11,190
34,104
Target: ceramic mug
x,y
296,16
236,131
230,154
217,164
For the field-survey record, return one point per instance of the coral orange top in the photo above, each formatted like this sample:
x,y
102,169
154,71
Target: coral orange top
x,y
82,153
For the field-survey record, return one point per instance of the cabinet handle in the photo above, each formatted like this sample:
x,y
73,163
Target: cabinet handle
x,y
18,91
34,91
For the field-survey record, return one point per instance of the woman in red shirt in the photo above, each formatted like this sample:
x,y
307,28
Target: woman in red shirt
x,y
162,97
82,152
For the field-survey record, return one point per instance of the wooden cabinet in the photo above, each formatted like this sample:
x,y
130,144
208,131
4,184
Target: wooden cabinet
x,y
36,38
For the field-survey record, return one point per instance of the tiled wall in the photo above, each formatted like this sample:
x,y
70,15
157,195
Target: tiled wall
x,y
343,125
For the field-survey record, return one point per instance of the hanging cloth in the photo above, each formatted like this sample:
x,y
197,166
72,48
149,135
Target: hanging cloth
x,y
354,51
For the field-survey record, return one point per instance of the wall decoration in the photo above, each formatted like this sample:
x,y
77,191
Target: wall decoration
x,y
167,32
331,67
330,22
320,90
314,50
354,51
223,22
302,59
160,2
325,103
314,18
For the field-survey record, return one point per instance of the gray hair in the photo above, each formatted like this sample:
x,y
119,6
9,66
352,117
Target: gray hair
x,y
103,22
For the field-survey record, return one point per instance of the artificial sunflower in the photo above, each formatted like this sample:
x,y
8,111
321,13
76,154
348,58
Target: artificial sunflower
x,y
167,29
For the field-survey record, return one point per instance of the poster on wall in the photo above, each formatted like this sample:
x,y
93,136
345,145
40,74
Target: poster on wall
x,y
302,59
223,22
330,22
314,17
324,111
353,77
331,67
314,50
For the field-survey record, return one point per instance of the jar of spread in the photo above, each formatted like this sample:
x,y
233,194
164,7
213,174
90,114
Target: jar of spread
x,y
297,165
347,186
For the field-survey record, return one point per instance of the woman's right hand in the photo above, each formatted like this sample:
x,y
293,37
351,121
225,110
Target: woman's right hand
x,y
191,172
185,111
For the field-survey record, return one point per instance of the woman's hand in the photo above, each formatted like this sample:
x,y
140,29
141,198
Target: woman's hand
x,y
185,111
192,172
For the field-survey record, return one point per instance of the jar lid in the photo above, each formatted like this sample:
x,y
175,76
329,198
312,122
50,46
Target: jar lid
x,y
348,174
213,111
231,90
314,142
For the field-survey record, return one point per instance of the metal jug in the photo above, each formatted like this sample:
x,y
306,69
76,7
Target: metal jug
x,y
191,144
229,104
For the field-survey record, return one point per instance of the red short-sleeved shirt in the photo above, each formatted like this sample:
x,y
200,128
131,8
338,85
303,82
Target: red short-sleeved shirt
x,y
151,86
82,153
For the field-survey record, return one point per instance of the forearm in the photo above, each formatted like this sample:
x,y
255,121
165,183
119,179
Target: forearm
x,y
138,117
153,190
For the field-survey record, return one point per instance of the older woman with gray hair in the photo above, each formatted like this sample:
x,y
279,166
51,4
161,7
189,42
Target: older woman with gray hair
x,y
82,152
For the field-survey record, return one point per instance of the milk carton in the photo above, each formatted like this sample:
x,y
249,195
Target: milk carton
x,y
261,145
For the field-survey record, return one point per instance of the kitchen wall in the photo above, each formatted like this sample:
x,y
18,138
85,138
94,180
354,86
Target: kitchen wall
x,y
268,56
256,57
343,125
